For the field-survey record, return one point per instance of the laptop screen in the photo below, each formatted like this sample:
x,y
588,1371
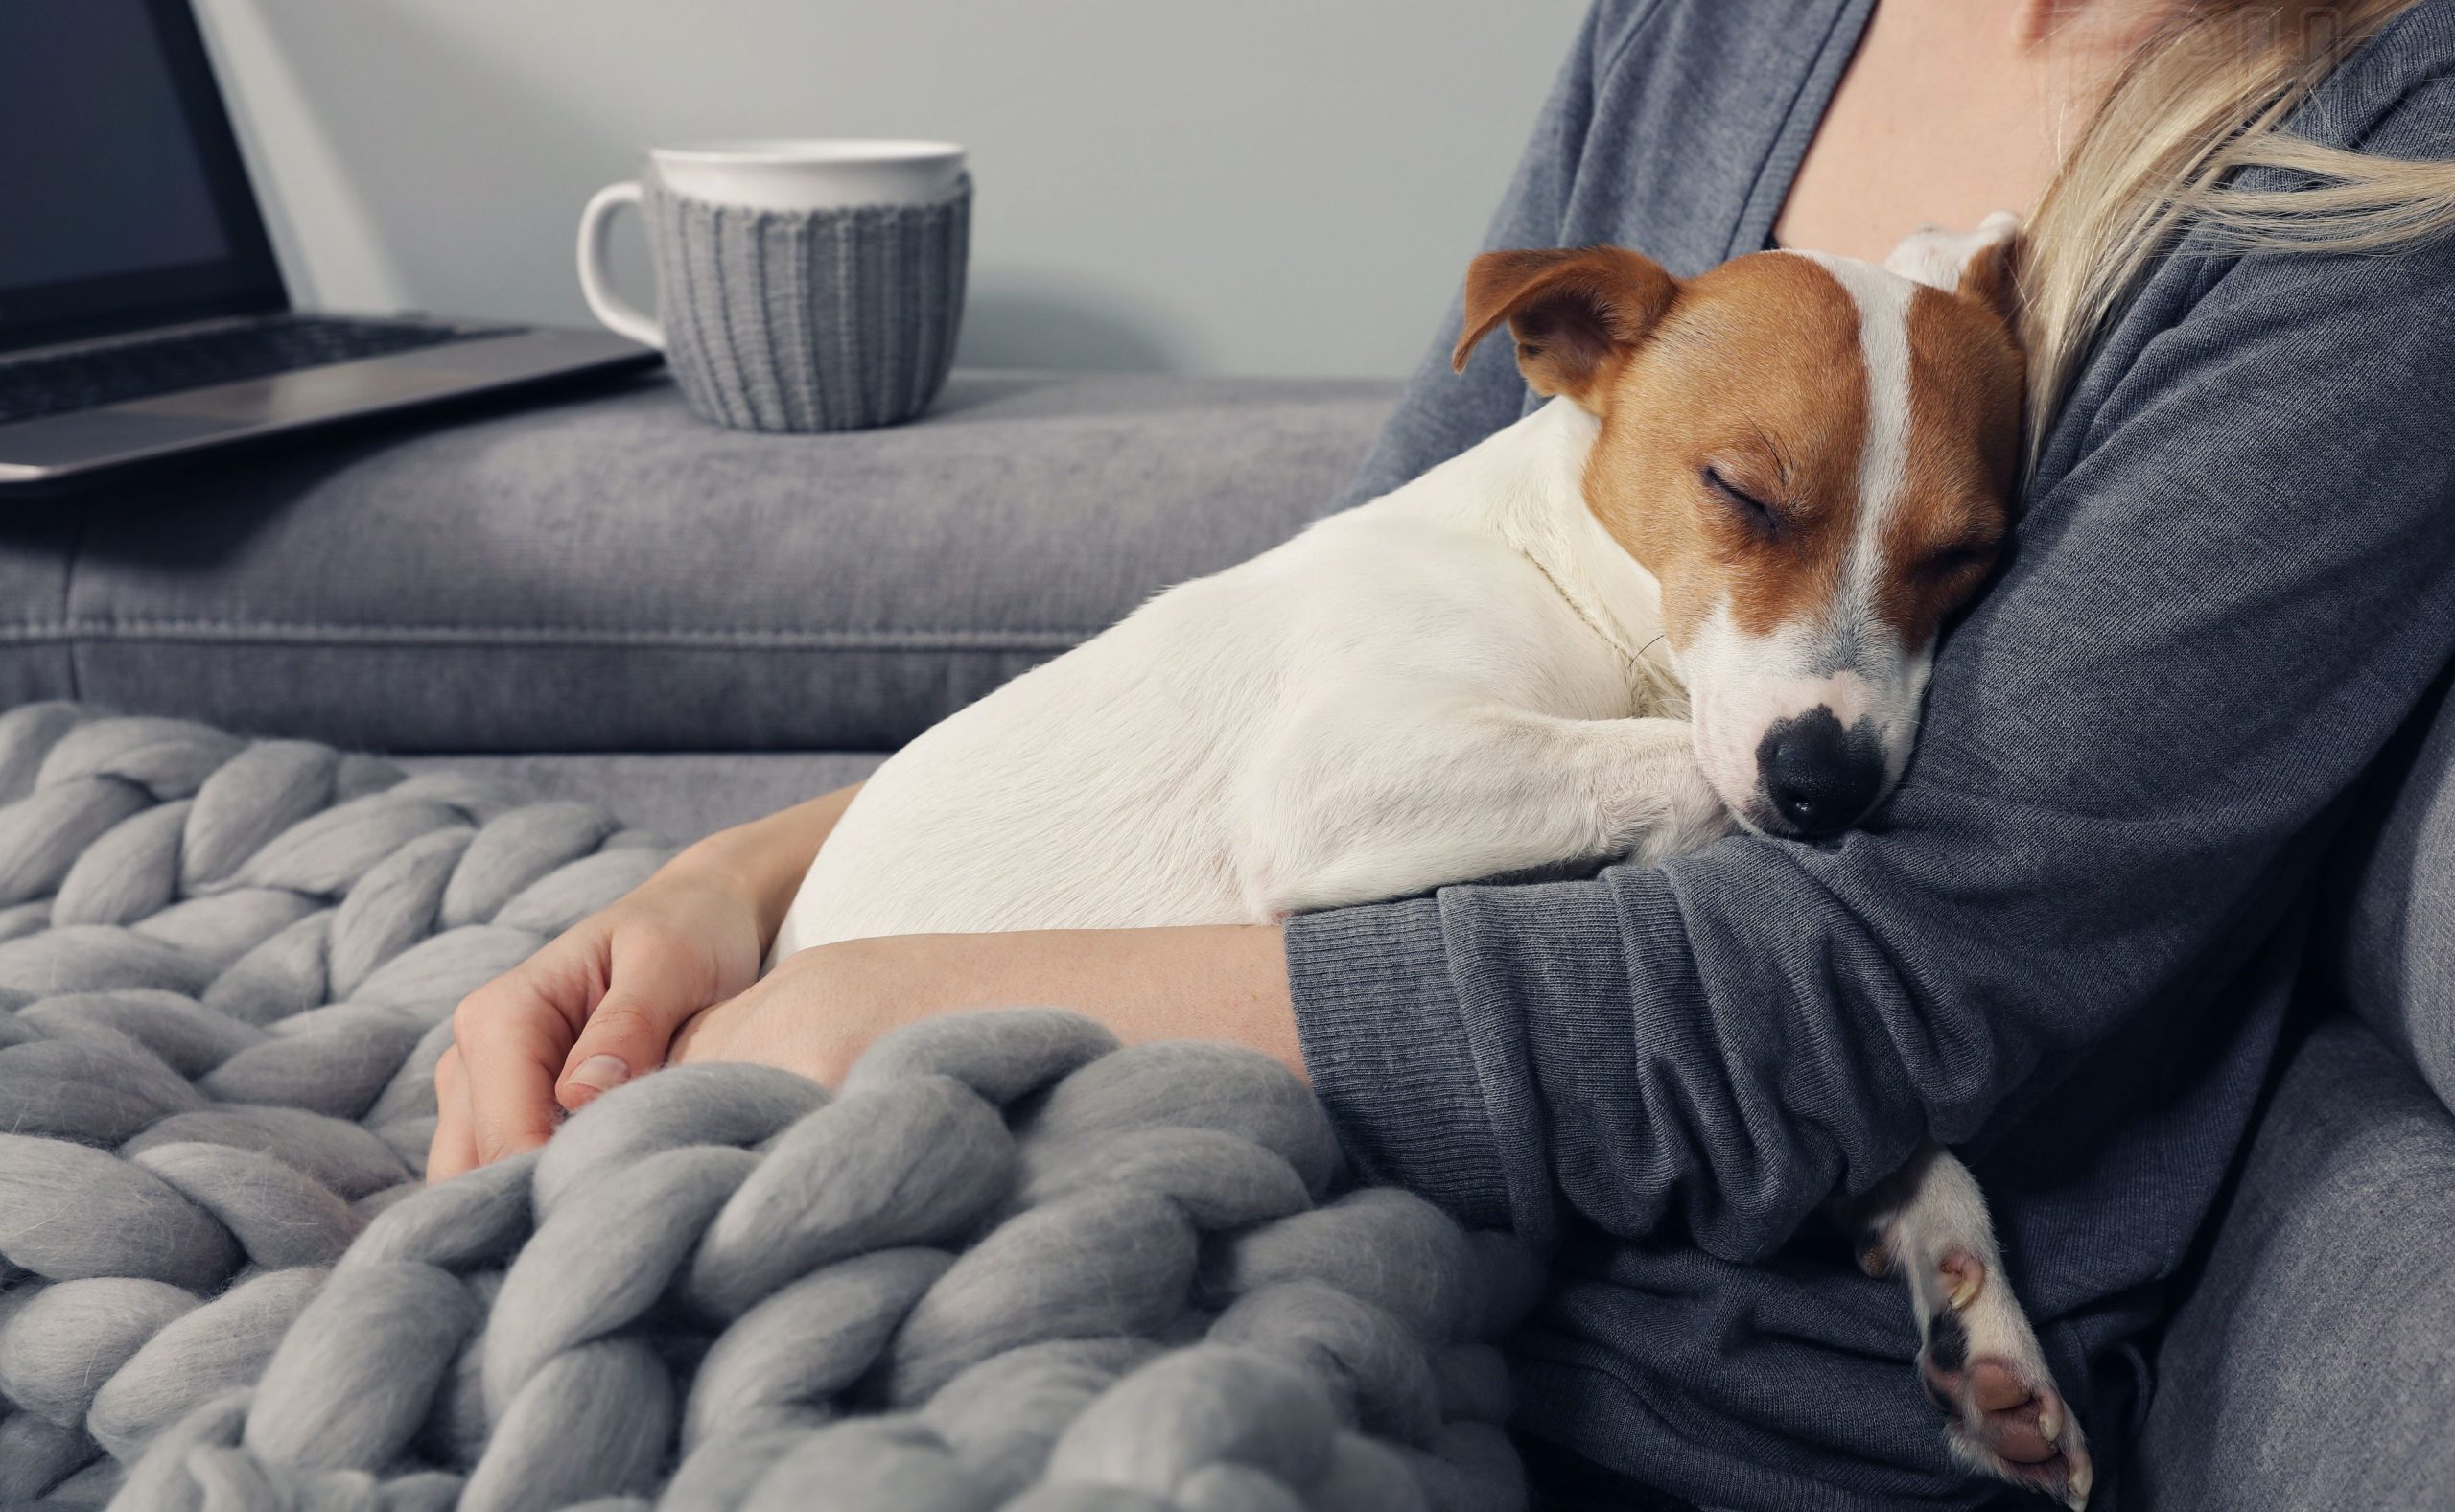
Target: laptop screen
x,y
127,203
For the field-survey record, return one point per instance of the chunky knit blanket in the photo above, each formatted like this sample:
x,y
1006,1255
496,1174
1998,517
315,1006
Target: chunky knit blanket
x,y
1008,1265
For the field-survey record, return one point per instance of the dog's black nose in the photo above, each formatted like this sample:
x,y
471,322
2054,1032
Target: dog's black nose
x,y
1820,777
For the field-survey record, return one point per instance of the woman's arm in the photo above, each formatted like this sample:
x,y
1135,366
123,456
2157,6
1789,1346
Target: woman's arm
x,y
598,1005
2238,579
763,861
818,1010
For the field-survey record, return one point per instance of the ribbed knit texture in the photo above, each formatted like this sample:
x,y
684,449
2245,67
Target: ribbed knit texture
x,y
818,320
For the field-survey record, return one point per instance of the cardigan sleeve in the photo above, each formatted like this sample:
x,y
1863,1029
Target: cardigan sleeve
x,y
2236,583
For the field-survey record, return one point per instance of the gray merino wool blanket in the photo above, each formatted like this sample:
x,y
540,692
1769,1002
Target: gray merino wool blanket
x,y
1007,1264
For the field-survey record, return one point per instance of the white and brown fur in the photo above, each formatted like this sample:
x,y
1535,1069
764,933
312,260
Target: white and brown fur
x,y
1703,582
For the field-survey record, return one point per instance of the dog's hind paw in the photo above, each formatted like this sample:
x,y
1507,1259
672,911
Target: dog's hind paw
x,y
1982,1364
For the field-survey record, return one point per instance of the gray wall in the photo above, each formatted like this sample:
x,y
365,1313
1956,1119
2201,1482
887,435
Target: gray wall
x,y
1233,186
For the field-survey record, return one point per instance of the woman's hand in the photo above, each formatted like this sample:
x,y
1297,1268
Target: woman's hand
x,y
586,1013
598,1005
819,1010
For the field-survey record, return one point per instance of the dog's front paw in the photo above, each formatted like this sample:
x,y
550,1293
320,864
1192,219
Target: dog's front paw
x,y
1687,813
1982,1364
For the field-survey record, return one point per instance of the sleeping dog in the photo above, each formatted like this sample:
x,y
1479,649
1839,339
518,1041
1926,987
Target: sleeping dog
x,y
1700,586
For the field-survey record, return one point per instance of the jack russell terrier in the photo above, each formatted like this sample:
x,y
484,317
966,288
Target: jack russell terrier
x,y
1703,583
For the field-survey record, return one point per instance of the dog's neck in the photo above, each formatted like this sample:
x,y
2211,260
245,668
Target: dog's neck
x,y
1527,484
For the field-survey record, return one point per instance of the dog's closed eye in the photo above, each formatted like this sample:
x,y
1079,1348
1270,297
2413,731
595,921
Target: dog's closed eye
x,y
1954,560
1754,512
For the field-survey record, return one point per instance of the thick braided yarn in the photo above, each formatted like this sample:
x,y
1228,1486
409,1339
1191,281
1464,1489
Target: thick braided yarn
x,y
1008,1265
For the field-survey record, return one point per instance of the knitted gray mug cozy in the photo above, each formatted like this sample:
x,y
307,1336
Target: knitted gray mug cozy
x,y
808,320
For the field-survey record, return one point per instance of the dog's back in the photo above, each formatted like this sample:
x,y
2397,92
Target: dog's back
x,y
1139,779
1090,792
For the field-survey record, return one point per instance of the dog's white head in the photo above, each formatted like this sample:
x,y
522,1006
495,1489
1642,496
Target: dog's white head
x,y
1813,456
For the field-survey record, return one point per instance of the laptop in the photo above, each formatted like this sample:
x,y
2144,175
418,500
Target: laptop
x,y
142,315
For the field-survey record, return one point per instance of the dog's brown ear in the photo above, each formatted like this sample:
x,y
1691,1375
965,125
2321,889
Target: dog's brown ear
x,y
1992,276
1576,313
1982,265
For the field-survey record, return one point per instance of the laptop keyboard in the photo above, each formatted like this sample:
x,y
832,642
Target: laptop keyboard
x,y
35,387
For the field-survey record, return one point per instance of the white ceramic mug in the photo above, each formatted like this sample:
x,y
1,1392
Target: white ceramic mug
x,y
814,174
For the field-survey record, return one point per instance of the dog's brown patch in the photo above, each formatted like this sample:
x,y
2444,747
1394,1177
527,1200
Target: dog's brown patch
x,y
1992,279
1944,533
1756,372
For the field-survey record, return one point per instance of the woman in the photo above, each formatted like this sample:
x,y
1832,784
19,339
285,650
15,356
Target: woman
x,y
2066,946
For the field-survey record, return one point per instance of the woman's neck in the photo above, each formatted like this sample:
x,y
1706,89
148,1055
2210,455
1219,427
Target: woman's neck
x,y
1954,109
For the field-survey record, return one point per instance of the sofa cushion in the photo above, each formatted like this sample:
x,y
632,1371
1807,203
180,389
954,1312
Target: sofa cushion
x,y
2392,953
2308,1371
609,573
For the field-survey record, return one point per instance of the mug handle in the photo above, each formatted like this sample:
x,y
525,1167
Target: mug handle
x,y
620,316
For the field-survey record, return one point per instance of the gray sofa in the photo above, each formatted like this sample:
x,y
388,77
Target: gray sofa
x,y
603,597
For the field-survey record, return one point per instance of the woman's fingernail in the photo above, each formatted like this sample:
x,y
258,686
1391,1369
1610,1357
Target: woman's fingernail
x,y
601,1073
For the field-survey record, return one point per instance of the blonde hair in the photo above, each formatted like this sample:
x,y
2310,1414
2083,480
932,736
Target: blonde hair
x,y
2204,97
